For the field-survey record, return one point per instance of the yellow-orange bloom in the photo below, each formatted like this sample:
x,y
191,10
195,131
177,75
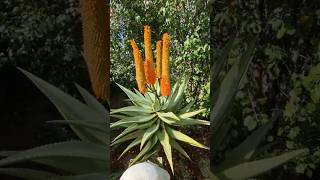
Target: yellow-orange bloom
x,y
150,71
165,74
139,67
158,50
165,85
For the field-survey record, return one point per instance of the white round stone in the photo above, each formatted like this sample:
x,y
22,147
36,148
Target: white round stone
x,y
145,171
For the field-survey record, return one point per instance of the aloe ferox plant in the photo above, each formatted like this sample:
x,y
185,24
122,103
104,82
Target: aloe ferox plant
x,y
156,109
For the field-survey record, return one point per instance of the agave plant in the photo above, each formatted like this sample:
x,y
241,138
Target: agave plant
x,y
156,113
86,158
240,162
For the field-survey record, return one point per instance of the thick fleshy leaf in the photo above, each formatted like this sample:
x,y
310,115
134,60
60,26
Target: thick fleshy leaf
x,y
177,146
165,142
166,120
130,109
218,66
91,176
63,149
71,164
131,145
91,100
254,168
149,133
135,119
182,137
8,153
191,114
128,137
70,108
150,144
98,126
28,174
190,121
187,107
134,127
246,149
154,150
228,89
134,96
169,115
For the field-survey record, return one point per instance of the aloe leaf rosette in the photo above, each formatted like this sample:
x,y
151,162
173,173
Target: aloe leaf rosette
x,y
155,116
152,120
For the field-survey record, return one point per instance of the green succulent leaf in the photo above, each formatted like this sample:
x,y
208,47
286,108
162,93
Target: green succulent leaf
x,y
28,174
131,145
177,146
128,137
254,168
91,101
63,149
182,137
165,142
129,109
91,176
191,114
149,133
71,109
145,150
135,119
71,164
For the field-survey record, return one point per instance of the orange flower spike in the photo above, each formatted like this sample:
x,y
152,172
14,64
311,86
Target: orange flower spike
x,y
158,50
150,71
140,78
165,74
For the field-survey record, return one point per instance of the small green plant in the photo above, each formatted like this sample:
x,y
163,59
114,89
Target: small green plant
x,y
86,158
156,111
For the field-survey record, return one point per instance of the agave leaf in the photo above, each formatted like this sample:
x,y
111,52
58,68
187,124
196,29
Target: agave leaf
x,y
254,168
71,164
191,114
150,132
182,137
128,137
145,149
187,107
130,109
131,145
28,174
228,88
91,176
165,142
91,100
246,149
136,119
177,146
69,107
190,121
63,149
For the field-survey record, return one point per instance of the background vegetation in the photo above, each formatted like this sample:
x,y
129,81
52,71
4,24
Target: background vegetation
x,y
284,75
187,23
